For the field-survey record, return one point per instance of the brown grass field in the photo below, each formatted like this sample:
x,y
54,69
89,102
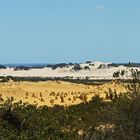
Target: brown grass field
x,y
55,92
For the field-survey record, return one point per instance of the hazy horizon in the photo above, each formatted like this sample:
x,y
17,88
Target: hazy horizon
x,y
43,64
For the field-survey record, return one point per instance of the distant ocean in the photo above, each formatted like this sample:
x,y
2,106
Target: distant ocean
x,y
46,64
27,64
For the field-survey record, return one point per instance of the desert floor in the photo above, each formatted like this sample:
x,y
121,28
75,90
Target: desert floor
x,y
55,92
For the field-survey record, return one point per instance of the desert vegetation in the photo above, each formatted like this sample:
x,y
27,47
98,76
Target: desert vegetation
x,y
2,67
61,65
116,118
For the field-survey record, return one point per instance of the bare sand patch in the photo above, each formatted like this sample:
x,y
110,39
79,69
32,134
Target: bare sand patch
x,y
55,92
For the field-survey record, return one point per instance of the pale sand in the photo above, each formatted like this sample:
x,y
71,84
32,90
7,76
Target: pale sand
x,y
54,92
93,73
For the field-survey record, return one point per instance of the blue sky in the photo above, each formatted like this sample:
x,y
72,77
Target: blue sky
x,y
53,31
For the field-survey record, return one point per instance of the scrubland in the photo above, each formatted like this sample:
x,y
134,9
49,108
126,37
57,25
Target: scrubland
x,y
58,110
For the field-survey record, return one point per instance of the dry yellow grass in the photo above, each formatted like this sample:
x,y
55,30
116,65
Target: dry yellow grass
x,y
55,92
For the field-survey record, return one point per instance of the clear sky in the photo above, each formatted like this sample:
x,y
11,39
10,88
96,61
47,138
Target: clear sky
x,y
52,31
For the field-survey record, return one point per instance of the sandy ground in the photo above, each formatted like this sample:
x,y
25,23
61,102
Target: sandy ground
x,y
55,92
93,73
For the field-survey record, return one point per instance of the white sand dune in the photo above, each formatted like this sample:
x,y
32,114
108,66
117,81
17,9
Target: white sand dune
x,y
93,73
